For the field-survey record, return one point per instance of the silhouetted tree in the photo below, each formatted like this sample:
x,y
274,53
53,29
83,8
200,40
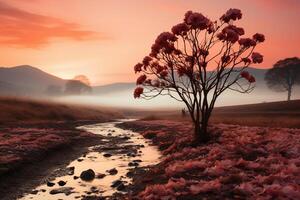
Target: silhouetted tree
x,y
75,87
83,79
197,62
284,75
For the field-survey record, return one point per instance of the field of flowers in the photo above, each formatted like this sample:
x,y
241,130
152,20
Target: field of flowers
x,y
21,144
239,162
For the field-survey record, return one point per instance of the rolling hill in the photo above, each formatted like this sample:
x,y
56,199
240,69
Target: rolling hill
x,y
26,80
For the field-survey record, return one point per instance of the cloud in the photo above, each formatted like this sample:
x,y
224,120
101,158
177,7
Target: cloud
x,y
26,29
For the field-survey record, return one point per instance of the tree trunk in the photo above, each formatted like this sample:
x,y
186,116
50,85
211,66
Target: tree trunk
x,y
201,133
204,131
289,93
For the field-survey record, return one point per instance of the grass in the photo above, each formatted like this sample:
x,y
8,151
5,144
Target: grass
x,y
21,109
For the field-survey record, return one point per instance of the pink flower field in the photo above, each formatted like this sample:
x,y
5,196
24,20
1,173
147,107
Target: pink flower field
x,y
239,162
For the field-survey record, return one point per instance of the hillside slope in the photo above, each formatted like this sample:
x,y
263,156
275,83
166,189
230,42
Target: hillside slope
x,y
22,110
25,79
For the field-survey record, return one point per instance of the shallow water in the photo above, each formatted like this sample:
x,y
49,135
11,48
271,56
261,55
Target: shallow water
x,y
100,164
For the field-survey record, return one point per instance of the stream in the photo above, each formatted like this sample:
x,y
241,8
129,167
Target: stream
x,y
119,151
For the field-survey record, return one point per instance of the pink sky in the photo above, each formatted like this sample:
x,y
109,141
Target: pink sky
x,y
104,39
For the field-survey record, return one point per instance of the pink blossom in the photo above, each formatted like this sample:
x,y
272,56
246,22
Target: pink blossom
x,y
138,67
180,29
231,14
246,60
147,60
182,166
138,91
232,36
187,15
231,33
259,37
204,52
181,71
221,36
155,83
190,59
256,57
251,79
165,37
158,68
148,81
245,74
205,186
141,79
245,187
247,42
177,52
163,74
168,191
291,191
169,48
155,50
240,31
211,28
196,20
225,58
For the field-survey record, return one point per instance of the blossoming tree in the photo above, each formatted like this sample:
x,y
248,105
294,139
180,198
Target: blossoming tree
x,y
196,62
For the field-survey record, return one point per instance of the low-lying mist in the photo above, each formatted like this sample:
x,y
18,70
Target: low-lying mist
x,y
125,99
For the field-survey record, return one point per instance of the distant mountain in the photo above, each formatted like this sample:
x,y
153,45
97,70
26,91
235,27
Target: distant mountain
x,y
26,80
121,87
113,88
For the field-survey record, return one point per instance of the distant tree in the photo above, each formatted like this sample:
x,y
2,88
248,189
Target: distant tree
x,y
197,62
83,79
54,90
284,75
75,87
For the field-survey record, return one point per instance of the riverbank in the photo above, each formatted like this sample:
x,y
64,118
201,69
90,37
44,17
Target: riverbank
x,y
239,162
36,137
107,165
30,152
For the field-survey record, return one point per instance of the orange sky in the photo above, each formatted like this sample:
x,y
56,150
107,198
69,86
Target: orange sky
x,y
104,39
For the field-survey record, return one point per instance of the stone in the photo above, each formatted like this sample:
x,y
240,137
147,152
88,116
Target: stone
x,y
129,174
34,192
61,183
87,175
100,175
107,155
116,183
50,184
113,171
70,170
121,187
133,164
65,190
